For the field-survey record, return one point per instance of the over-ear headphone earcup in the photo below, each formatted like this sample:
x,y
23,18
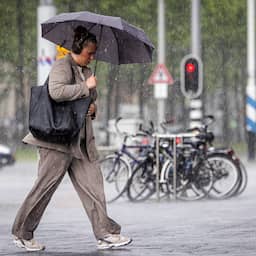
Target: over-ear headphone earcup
x,y
77,45
78,42
80,45
80,36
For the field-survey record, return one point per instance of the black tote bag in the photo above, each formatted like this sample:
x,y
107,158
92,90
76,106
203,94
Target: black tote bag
x,y
57,122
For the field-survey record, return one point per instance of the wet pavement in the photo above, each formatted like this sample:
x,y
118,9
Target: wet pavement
x,y
226,227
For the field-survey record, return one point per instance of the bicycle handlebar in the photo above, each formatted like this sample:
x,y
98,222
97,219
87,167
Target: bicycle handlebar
x,y
203,134
126,135
119,132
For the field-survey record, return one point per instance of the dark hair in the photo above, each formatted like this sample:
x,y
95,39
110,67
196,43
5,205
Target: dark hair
x,y
81,38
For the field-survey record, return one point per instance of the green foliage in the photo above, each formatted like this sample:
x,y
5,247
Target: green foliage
x,y
223,38
8,42
9,36
177,34
223,29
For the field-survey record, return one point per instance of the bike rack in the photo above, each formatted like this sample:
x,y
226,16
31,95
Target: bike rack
x,y
173,137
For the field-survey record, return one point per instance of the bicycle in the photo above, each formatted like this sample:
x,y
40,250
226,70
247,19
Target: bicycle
x,y
229,174
192,180
117,168
200,170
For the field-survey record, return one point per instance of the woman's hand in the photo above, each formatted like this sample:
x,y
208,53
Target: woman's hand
x,y
91,110
91,82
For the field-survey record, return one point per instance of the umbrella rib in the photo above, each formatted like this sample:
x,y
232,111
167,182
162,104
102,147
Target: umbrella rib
x,y
116,43
95,67
93,25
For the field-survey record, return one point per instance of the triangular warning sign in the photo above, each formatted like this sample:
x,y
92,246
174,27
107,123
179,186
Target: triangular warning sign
x,y
160,75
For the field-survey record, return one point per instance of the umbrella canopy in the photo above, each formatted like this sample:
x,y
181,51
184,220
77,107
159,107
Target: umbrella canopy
x,y
118,41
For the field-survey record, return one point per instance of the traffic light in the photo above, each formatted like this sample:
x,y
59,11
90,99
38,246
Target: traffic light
x,y
191,76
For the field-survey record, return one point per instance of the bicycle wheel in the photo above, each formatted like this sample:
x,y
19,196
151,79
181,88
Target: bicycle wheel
x,y
141,185
116,172
190,186
166,177
226,175
243,180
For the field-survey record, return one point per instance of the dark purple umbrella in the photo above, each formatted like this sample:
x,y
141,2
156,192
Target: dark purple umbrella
x,y
118,41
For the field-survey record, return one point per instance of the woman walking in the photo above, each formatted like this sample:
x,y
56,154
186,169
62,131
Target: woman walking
x,y
70,79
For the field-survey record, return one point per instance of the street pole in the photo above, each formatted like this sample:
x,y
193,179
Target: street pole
x,y
46,51
195,105
195,28
20,97
161,90
251,87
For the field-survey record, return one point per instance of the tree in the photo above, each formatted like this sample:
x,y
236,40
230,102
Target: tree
x,y
223,30
224,34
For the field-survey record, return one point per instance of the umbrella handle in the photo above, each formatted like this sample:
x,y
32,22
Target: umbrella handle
x,y
95,67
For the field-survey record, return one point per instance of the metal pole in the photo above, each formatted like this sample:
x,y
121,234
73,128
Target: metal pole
x,y
46,51
195,28
161,31
161,89
251,88
20,98
157,169
174,168
195,113
159,136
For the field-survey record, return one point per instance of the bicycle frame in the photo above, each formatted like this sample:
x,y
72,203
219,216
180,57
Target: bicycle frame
x,y
132,158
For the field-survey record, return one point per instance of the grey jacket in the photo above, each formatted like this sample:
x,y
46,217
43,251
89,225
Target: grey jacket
x,y
63,88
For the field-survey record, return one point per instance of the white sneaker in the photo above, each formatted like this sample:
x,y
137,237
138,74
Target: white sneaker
x,y
113,240
30,245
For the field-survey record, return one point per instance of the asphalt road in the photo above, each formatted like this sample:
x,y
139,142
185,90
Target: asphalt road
x,y
226,227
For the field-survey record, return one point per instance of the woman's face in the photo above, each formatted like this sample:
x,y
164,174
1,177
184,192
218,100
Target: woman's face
x,y
87,54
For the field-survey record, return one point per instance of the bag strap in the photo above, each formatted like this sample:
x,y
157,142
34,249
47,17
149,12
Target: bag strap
x,y
73,77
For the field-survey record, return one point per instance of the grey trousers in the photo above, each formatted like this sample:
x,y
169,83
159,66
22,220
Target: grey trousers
x,y
88,182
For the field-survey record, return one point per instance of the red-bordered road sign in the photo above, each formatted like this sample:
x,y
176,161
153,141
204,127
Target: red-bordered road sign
x,y
160,75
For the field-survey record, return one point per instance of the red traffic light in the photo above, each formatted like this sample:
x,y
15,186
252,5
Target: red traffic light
x,y
190,67
191,76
